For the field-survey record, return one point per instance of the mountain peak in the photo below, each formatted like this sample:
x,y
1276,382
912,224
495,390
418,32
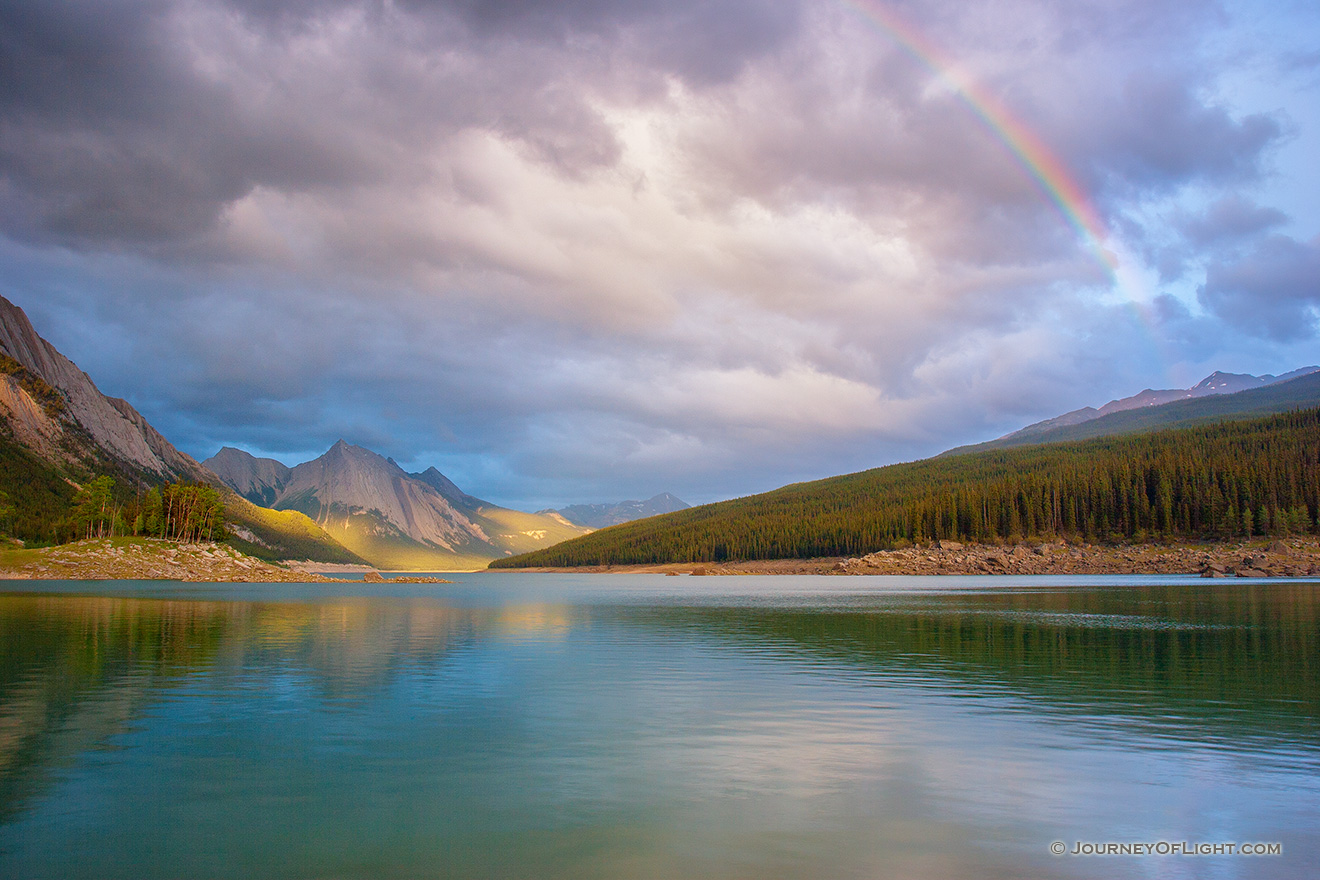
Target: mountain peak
x,y
445,486
233,453
344,449
259,480
1220,382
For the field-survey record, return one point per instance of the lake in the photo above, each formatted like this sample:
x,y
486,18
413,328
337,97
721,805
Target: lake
x,y
636,726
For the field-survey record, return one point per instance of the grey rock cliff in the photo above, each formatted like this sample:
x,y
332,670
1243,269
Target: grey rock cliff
x,y
259,480
349,480
115,427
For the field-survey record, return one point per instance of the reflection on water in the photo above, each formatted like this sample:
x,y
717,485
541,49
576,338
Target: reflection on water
x,y
887,734
1201,661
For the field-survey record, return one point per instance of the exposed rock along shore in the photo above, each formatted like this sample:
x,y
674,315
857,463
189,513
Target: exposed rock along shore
x,y
151,559
1289,557
1298,557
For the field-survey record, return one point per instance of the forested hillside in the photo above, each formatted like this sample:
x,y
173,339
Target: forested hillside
x,y
1215,481
34,496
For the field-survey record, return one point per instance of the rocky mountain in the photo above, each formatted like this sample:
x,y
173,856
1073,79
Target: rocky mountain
x,y
598,516
390,517
57,430
54,409
1215,383
259,480
446,487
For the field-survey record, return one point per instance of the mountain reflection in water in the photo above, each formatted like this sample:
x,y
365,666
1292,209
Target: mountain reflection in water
x,y
889,734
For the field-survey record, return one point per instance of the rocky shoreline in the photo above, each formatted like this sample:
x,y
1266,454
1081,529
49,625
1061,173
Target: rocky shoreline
x,y
152,559
1297,556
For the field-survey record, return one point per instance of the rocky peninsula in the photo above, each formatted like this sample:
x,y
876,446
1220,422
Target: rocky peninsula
x,y
152,559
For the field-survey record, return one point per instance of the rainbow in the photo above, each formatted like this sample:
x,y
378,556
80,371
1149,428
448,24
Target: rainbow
x,y
1044,167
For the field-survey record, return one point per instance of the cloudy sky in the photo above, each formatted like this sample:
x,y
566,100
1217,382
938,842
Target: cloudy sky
x,y
586,250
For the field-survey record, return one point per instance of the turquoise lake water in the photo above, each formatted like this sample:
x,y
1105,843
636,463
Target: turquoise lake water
x,y
561,726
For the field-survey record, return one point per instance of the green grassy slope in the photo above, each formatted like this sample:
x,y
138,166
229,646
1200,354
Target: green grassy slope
x,y
275,535
514,531
1294,394
386,546
1228,479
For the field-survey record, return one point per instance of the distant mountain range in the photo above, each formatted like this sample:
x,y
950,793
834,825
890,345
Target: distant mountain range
x,y
351,504
395,519
1216,397
598,516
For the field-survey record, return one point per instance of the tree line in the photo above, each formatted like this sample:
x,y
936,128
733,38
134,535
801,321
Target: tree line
x,y
1223,481
185,512
42,504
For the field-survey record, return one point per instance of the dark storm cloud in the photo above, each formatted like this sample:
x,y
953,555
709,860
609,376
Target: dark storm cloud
x,y
120,128
117,124
700,41
108,133
577,250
